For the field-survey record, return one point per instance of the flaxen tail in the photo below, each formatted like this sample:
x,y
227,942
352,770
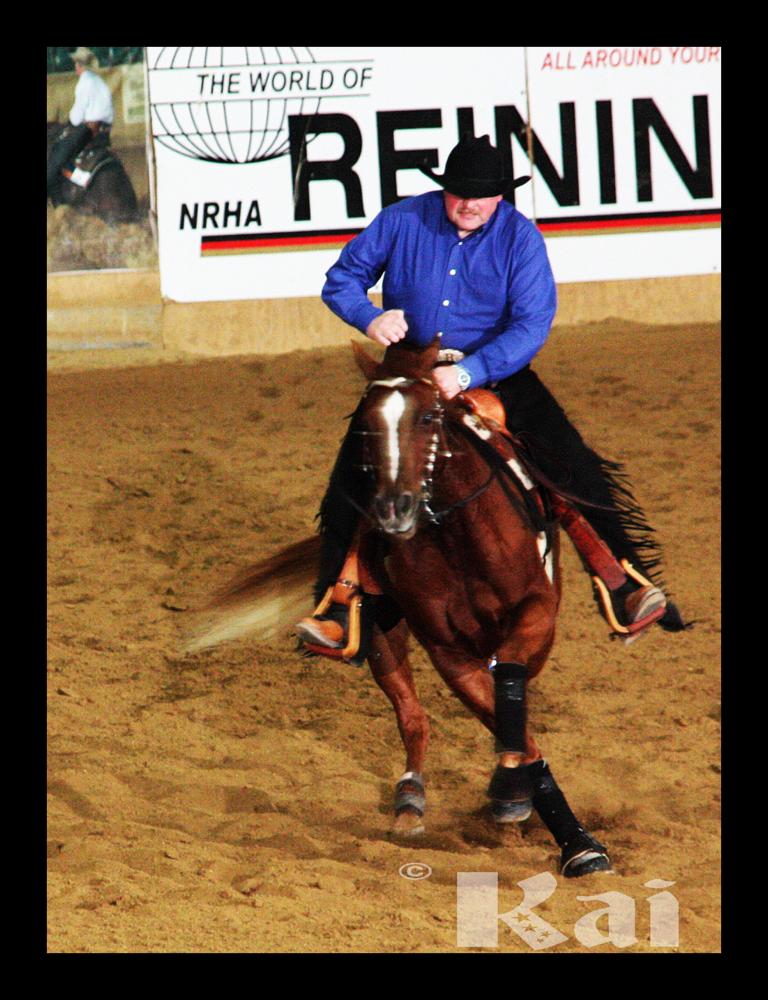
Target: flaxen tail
x,y
261,601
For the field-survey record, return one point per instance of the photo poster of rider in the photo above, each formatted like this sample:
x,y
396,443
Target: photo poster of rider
x,y
100,203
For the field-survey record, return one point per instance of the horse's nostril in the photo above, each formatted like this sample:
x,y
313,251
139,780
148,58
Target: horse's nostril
x,y
399,506
384,507
404,504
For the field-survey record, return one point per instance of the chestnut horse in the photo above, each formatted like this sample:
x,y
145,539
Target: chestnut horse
x,y
476,579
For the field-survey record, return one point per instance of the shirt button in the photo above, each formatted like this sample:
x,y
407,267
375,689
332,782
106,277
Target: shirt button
x,y
446,302
452,271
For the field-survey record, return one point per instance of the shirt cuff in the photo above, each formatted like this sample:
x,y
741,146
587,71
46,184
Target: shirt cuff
x,y
477,370
365,315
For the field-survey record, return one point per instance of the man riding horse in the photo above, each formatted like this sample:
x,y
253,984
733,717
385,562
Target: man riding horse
x,y
464,265
90,120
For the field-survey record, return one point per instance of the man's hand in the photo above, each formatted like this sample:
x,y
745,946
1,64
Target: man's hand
x,y
388,327
446,378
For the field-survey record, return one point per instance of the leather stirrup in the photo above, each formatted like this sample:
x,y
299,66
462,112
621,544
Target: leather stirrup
x,y
610,614
348,592
353,601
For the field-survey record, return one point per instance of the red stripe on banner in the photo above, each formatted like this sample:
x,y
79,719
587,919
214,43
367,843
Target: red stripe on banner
x,y
656,221
282,241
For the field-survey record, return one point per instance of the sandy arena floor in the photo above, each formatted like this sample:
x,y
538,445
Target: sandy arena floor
x,y
239,800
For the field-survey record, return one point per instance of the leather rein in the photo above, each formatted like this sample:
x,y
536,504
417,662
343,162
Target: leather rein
x,y
437,517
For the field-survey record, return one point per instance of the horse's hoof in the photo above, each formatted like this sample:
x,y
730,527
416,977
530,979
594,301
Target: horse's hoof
x,y
408,823
510,793
410,802
584,855
511,812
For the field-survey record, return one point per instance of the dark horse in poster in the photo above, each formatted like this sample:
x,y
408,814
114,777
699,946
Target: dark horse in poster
x,y
471,563
109,193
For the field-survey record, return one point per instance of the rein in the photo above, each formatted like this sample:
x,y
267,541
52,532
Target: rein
x,y
437,517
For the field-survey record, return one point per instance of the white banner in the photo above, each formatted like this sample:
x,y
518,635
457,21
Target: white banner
x,y
630,157
270,159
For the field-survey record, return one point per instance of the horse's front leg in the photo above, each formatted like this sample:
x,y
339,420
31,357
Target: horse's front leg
x,y
498,698
522,780
391,670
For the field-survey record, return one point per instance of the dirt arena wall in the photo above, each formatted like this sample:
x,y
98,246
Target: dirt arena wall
x,y
125,308
104,309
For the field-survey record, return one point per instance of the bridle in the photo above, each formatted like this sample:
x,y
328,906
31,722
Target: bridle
x,y
438,447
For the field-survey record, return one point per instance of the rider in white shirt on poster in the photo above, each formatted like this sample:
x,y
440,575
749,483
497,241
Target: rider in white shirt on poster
x,y
93,99
92,115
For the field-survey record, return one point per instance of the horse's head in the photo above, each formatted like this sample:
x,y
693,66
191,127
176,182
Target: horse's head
x,y
399,418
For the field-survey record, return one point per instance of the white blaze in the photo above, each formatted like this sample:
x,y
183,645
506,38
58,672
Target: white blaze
x,y
392,410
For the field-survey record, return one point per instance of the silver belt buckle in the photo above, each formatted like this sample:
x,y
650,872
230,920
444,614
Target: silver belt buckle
x,y
449,356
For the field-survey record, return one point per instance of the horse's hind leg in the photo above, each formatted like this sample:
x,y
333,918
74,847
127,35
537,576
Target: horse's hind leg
x,y
580,852
391,670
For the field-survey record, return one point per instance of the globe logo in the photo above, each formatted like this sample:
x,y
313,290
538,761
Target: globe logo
x,y
231,104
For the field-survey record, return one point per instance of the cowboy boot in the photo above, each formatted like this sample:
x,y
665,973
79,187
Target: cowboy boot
x,y
328,625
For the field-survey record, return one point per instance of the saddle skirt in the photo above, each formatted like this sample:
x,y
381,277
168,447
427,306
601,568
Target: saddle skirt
x,y
488,421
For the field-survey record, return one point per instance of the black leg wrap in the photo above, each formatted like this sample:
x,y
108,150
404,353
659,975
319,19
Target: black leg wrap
x,y
510,707
584,855
551,804
581,853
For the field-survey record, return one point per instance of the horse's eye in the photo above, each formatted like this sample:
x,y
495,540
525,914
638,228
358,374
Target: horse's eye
x,y
428,417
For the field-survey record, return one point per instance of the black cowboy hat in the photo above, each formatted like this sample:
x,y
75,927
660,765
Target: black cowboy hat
x,y
475,169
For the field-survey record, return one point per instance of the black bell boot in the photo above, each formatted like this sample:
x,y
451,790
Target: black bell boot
x,y
580,852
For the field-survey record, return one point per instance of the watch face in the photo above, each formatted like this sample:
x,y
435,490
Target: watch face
x,y
464,379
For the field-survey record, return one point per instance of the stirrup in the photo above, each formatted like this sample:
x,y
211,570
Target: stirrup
x,y
348,593
352,599
627,633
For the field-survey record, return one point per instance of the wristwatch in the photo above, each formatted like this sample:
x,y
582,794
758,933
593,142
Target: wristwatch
x,y
464,378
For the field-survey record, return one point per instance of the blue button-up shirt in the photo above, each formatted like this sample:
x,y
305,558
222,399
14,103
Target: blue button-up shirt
x,y
491,294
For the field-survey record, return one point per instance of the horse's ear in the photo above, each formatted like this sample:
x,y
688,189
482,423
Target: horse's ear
x,y
407,360
367,365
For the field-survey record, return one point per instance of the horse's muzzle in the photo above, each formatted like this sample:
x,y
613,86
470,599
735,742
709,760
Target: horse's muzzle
x,y
396,513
